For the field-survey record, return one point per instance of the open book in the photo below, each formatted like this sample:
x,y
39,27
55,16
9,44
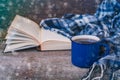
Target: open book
x,y
24,33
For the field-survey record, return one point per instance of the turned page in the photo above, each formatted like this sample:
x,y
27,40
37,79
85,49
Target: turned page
x,y
26,26
17,37
13,47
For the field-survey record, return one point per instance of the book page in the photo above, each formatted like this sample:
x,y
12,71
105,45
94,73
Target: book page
x,y
19,46
17,39
26,26
47,35
15,36
55,45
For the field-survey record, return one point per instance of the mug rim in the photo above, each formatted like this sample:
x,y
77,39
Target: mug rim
x,y
85,36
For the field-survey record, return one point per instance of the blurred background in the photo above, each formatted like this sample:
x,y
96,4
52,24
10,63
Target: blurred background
x,y
42,9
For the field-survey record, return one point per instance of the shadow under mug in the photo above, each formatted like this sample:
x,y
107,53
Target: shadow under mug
x,y
86,49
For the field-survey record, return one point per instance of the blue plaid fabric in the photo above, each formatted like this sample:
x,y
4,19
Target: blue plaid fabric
x,y
105,23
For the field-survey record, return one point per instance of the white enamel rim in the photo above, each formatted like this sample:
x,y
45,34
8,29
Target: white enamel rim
x,y
86,37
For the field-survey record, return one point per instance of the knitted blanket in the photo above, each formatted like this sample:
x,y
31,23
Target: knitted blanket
x,y
104,23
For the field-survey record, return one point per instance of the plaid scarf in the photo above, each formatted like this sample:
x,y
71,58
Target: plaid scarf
x,y
105,23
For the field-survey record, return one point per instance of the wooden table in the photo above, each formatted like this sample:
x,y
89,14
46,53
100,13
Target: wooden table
x,y
37,65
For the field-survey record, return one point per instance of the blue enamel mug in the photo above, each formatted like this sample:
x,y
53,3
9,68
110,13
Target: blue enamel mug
x,y
86,49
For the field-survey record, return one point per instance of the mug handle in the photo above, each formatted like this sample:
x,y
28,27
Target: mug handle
x,y
105,48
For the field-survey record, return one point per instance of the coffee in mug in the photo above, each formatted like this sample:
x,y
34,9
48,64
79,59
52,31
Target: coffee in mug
x,y
85,41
